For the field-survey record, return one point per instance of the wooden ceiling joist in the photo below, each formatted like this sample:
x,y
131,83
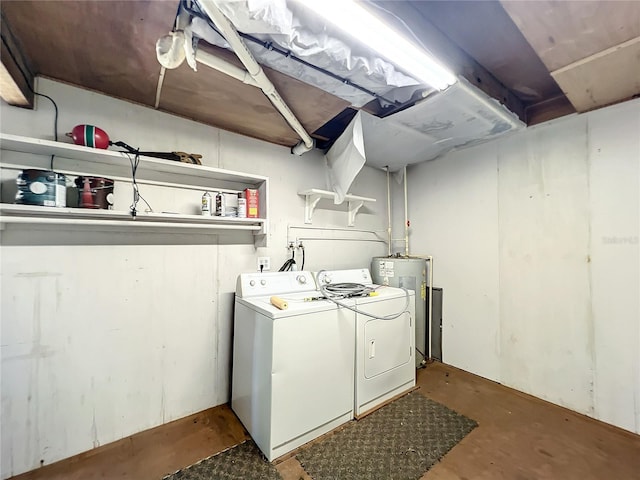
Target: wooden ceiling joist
x,y
16,78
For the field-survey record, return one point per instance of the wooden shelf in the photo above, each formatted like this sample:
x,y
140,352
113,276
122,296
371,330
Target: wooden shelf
x,y
37,215
111,163
23,152
314,195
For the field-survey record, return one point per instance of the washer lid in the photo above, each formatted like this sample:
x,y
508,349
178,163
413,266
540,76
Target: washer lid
x,y
299,303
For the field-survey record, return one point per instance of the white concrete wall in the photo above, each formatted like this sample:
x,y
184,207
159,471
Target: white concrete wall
x,y
105,334
535,238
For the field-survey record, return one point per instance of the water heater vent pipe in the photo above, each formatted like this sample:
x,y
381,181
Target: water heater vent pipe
x,y
406,216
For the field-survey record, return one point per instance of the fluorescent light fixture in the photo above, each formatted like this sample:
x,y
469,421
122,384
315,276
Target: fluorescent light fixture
x,y
351,17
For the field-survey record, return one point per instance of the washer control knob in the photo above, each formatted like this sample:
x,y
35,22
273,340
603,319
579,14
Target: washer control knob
x,y
301,279
326,279
263,282
252,283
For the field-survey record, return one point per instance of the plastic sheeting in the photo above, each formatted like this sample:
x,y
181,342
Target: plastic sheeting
x,y
290,27
345,159
460,116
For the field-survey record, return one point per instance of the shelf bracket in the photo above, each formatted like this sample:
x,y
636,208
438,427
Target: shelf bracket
x,y
311,200
354,206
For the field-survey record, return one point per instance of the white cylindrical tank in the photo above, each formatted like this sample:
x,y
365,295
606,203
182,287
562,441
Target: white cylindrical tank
x,y
409,273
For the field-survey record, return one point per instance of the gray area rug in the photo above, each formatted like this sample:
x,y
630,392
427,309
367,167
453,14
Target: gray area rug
x,y
401,441
242,462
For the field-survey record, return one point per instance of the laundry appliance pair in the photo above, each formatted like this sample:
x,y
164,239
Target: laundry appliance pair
x,y
301,371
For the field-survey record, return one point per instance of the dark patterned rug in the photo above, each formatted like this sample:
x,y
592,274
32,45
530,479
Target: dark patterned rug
x,y
401,441
242,462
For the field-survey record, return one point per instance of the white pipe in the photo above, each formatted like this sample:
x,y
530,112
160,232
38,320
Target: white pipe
x,y
406,216
225,67
389,211
430,326
255,71
343,239
159,87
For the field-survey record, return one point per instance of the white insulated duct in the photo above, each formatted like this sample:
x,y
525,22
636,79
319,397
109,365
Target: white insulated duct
x,y
257,74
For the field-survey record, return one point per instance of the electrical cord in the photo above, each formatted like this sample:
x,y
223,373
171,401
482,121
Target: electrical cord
x,y
28,83
302,248
55,120
135,161
337,291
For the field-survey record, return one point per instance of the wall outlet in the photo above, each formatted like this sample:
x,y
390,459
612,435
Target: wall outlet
x,y
264,264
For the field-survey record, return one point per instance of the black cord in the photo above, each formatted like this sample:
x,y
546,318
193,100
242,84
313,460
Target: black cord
x,y
302,248
55,121
135,161
288,265
28,82
55,106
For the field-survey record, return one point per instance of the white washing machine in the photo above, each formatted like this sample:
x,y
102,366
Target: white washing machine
x,y
293,369
385,348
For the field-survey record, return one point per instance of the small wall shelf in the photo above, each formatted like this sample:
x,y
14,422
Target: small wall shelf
x,y
25,152
314,195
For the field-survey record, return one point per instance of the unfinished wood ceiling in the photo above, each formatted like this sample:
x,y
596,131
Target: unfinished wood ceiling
x,y
592,49
541,59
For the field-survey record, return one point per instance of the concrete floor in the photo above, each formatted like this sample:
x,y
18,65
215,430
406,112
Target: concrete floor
x,y
519,437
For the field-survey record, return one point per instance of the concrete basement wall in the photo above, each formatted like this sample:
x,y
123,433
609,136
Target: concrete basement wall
x,y
535,239
105,334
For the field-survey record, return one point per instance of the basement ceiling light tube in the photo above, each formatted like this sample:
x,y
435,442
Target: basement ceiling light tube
x,y
351,17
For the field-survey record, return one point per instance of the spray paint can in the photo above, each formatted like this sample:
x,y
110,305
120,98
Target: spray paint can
x,y
206,204
220,210
242,206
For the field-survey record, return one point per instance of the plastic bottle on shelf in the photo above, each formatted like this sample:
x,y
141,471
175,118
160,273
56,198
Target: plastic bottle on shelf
x,y
206,204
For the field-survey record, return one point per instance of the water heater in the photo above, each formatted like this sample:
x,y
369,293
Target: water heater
x,y
409,273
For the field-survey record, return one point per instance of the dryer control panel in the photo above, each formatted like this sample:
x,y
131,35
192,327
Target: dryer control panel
x,y
356,275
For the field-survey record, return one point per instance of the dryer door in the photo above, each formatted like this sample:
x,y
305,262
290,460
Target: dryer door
x,y
385,358
387,343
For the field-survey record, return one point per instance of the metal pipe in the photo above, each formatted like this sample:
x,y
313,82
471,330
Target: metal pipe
x,y
255,71
389,211
406,216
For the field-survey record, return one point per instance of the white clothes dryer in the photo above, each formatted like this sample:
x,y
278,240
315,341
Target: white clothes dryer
x,y
293,369
385,347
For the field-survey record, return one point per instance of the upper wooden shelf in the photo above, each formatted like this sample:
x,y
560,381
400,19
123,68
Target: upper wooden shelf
x,y
76,159
24,152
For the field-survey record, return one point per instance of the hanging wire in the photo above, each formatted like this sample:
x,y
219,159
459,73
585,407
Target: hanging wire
x,y
135,161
